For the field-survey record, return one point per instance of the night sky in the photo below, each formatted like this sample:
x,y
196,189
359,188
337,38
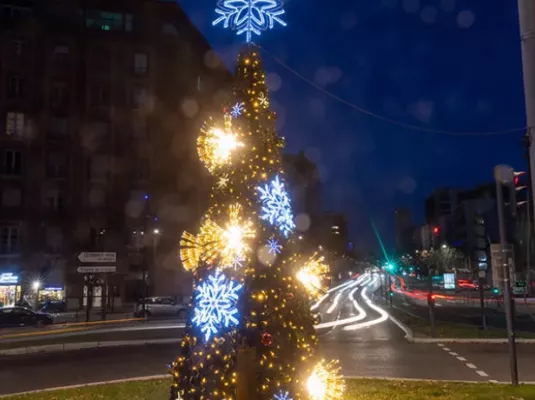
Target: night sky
x,y
448,65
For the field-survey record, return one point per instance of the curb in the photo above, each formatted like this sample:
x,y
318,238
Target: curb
x,y
409,336
168,376
139,379
469,340
59,348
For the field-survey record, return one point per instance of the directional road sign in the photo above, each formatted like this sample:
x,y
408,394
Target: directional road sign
x,y
96,270
95,257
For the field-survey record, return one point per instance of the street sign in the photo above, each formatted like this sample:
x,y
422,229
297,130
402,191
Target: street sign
x,y
521,284
95,257
96,270
449,281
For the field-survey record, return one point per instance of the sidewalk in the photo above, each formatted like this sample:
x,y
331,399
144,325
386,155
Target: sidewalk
x,y
80,316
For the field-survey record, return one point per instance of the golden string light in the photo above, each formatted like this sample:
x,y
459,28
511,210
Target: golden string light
x,y
216,145
311,275
227,245
325,382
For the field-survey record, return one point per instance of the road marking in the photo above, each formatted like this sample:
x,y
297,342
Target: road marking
x,y
469,365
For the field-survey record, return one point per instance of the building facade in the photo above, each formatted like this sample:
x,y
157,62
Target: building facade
x,y
306,191
100,104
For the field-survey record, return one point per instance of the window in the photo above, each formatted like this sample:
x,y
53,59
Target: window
x,y
108,21
17,48
54,199
97,196
9,239
15,12
141,63
139,127
11,197
59,94
99,95
15,124
61,50
98,167
16,87
141,169
11,162
59,127
128,23
139,96
57,165
169,29
54,239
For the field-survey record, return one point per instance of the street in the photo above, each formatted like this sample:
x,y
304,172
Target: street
x,y
353,329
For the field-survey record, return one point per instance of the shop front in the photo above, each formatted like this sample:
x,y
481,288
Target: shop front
x,y
10,289
51,293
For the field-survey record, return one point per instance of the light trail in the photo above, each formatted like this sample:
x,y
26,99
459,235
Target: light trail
x,y
335,302
360,316
346,285
382,318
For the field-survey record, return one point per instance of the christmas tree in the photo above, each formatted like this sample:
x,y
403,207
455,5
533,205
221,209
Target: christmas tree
x,y
250,332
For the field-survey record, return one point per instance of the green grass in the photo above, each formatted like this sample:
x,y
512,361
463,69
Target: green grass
x,y
421,328
357,389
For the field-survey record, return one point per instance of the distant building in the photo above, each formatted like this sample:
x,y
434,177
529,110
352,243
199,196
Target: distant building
x,y
306,190
100,105
403,230
335,233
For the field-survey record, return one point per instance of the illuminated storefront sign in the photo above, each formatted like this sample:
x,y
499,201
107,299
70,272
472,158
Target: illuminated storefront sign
x,y
9,278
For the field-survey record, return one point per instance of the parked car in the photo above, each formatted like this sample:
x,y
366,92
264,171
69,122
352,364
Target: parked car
x,y
11,317
160,307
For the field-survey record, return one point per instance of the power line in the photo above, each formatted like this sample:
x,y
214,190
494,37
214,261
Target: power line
x,y
382,117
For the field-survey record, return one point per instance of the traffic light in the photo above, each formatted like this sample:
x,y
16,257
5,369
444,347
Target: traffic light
x,y
431,298
436,230
390,267
516,187
495,291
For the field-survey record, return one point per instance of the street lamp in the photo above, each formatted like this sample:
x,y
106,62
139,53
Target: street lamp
x,y
36,285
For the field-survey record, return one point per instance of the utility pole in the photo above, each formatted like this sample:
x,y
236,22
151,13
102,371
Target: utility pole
x,y
527,143
504,175
526,14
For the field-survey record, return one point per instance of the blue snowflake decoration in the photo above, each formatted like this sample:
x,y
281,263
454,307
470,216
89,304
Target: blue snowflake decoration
x,y
249,16
274,246
282,396
216,298
276,208
237,109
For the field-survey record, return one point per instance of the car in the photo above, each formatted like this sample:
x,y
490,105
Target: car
x,y
11,317
160,307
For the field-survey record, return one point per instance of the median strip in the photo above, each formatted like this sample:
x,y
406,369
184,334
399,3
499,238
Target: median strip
x,y
157,387
58,348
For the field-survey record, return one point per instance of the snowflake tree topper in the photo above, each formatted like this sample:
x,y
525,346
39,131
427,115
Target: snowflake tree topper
x,y
276,207
216,309
249,16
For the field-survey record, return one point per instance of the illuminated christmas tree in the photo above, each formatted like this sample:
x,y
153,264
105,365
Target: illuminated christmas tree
x,y
250,321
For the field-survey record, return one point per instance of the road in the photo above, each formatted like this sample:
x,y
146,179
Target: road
x,y
353,329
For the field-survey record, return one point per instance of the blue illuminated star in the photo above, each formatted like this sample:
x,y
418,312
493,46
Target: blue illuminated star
x,y
237,109
216,298
276,208
274,246
249,16
282,396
